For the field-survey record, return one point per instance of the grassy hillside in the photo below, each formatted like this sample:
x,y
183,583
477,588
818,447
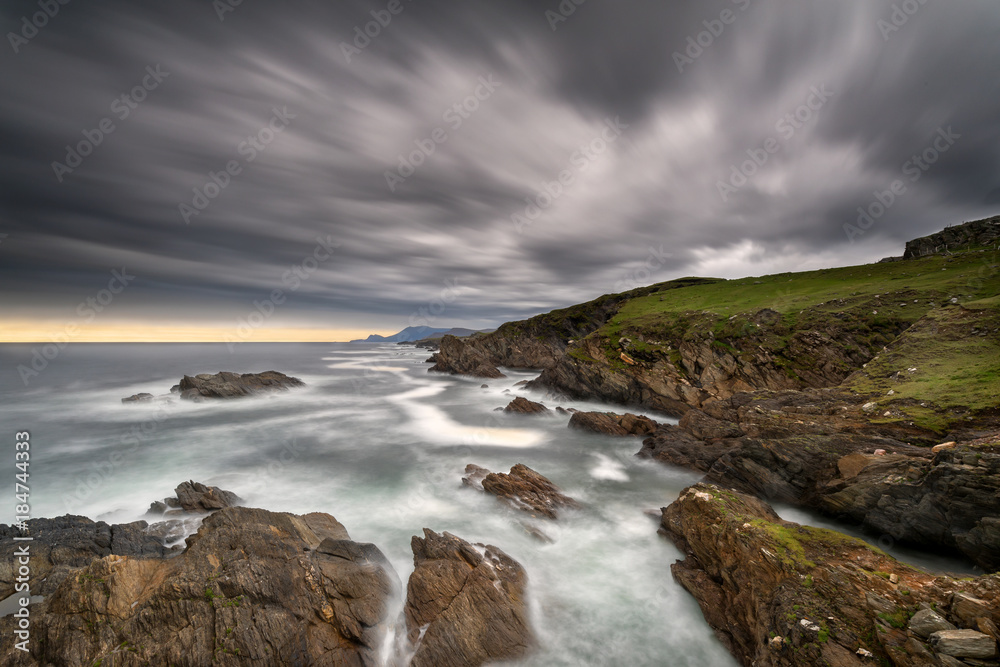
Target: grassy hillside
x,y
955,347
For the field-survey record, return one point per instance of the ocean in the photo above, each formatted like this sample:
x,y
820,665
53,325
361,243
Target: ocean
x,y
381,444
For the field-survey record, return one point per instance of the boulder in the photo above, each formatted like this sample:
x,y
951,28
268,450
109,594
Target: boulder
x,y
964,644
927,621
466,604
253,587
523,406
235,385
138,398
522,488
610,423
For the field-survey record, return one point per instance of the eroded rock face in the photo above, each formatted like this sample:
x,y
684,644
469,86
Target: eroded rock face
x,y
68,542
522,488
235,385
780,594
465,604
457,358
523,406
253,588
610,423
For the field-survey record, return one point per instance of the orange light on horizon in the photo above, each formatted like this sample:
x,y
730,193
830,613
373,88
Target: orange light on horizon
x,y
41,332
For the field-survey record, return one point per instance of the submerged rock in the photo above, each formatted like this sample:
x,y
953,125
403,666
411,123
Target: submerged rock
x,y
830,597
465,604
610,423
522,488
235,385
138,398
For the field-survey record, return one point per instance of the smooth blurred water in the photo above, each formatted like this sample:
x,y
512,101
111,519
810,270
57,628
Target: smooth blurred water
x,y
381,444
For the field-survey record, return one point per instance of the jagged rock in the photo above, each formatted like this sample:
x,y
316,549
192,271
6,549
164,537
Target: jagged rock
x,y
253,587
704,427
522,488
523,406
465,604
67,542
610,423
458,358
196,497
756,576
138,398
235,385
979,232
967,608
927,621
964,644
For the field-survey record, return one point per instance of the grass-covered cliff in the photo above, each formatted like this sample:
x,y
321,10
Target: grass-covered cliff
x,y
918,337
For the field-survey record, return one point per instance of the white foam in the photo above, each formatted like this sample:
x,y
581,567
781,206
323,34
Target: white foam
x,y
608,469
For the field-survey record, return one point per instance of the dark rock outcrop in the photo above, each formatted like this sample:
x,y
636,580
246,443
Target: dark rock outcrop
x,y
465,604
68,542
235,385
610,423
779,594
523,406
253,588
195,497
138,398
978,233
522,488
458,358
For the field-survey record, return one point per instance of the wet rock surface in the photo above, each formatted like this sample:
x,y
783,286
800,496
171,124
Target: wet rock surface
x,y
610,423
522,489
465,604
194,496
523,406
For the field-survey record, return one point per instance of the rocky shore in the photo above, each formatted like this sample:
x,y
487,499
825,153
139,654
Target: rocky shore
x,y
780,594
254,587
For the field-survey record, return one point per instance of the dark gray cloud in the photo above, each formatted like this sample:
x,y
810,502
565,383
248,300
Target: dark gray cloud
x,y
650,197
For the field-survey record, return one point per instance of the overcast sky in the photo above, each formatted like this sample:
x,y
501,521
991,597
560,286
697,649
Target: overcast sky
x,y
643,108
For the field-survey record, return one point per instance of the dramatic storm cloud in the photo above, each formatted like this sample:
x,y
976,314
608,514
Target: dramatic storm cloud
x,y
402,162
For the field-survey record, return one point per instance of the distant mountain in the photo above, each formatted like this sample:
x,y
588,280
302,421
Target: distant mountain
x,y
458,332
407,335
